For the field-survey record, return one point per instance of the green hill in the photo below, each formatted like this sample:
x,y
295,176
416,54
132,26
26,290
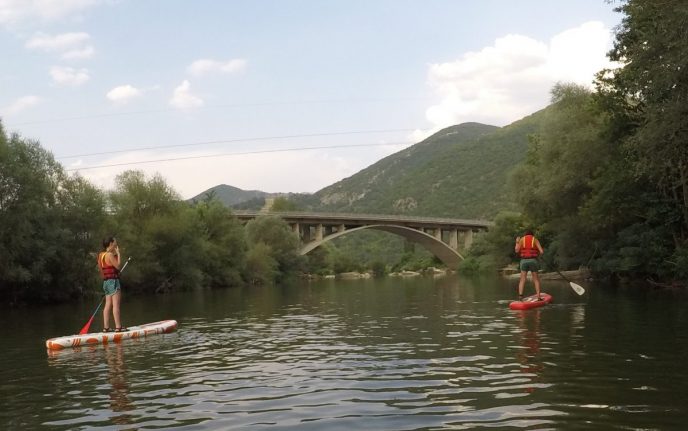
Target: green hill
x,y
461,171
230,195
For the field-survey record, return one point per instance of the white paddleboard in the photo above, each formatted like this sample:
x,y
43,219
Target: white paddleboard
x,y
140,331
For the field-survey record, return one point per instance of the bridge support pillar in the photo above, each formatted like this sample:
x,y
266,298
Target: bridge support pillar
x,y
306,237
437,233
319,232
341,228
468,239
454,239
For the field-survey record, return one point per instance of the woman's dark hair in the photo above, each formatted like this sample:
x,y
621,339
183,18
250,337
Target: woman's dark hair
x,y
529,232
107,241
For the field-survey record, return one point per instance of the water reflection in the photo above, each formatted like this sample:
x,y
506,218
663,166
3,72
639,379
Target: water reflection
x,y
119,387
529,355
85,369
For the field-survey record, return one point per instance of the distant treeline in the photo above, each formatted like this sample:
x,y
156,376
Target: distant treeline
x,y
52,226
605,182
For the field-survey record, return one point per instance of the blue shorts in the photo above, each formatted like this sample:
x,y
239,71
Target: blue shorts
x,y
110,287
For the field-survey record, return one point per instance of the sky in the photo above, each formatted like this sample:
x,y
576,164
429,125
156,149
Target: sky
x,y
278,95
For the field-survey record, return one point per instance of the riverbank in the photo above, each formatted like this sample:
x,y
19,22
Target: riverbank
x,y
430,271
577,275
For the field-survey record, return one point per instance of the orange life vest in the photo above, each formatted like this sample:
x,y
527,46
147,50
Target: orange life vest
x,y
108,272
528,248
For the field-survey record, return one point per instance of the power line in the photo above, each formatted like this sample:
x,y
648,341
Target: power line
x,y
231,140
281,150
224,106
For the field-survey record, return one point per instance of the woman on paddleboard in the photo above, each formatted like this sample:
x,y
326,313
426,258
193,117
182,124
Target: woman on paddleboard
x,y
528,248
109,263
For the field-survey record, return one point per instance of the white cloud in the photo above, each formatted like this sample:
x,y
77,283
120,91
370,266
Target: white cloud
x,y
205,66
79,53
69,45
123,94
184,99
17,11
513,78
22,104
68,76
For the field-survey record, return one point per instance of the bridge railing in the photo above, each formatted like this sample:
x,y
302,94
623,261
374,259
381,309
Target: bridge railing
x,y
367,217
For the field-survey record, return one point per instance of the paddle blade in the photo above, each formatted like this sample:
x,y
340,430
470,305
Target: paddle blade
x,y
86,327
577,288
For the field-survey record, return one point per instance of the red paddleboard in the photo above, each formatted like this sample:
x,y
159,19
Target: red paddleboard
x,y
531,302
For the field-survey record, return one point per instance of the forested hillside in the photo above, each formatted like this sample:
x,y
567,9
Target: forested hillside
x,y
460,171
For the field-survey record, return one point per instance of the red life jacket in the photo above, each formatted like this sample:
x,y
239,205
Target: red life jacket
x,y
108,272
528,248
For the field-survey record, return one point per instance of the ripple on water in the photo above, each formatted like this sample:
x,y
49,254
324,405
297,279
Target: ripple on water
x,y
411,363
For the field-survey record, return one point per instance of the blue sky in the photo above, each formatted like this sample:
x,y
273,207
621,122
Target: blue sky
x,y
118,76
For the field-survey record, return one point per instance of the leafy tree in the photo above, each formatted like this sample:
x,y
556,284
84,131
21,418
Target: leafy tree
x,y
651,91
319,261
261,266
282,204
159,230
47,219
224,244
284,244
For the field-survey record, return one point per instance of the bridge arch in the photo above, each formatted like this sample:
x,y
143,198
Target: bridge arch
x,y
444,252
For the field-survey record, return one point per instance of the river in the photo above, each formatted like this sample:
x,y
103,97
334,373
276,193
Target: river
x,y
390,354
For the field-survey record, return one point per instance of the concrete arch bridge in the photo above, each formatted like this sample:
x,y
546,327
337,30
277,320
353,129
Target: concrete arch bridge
x,y
443,237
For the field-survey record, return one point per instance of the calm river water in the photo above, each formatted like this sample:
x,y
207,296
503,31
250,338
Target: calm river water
x,y
386,354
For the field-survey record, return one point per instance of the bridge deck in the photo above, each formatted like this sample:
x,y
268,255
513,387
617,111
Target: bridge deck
x,y
364,219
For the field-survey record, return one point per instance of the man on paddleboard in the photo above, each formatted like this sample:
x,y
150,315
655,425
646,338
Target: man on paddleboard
x,y
109,263
528,248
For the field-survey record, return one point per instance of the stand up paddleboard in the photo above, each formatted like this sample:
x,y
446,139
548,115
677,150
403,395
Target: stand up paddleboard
x,y
141,331
531,302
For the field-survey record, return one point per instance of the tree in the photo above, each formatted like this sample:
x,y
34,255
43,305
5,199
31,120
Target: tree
x,y
161,232
261,266
283,243
224,244
649,96
558,177
281,204
47,221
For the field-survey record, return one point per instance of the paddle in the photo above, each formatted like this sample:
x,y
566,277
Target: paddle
x,y
86,327
576,287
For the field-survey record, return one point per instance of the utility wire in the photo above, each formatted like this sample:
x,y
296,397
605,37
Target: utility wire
x,y
281,150
231,105
224,141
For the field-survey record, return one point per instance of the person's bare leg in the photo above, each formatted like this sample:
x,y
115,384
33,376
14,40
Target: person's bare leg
x,y
116,299
536,281
521,284
106,311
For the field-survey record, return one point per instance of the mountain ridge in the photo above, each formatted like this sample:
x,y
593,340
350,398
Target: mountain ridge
x,y
461,171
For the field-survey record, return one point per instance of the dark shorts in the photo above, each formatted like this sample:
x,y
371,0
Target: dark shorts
x,y
531,265
110,287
